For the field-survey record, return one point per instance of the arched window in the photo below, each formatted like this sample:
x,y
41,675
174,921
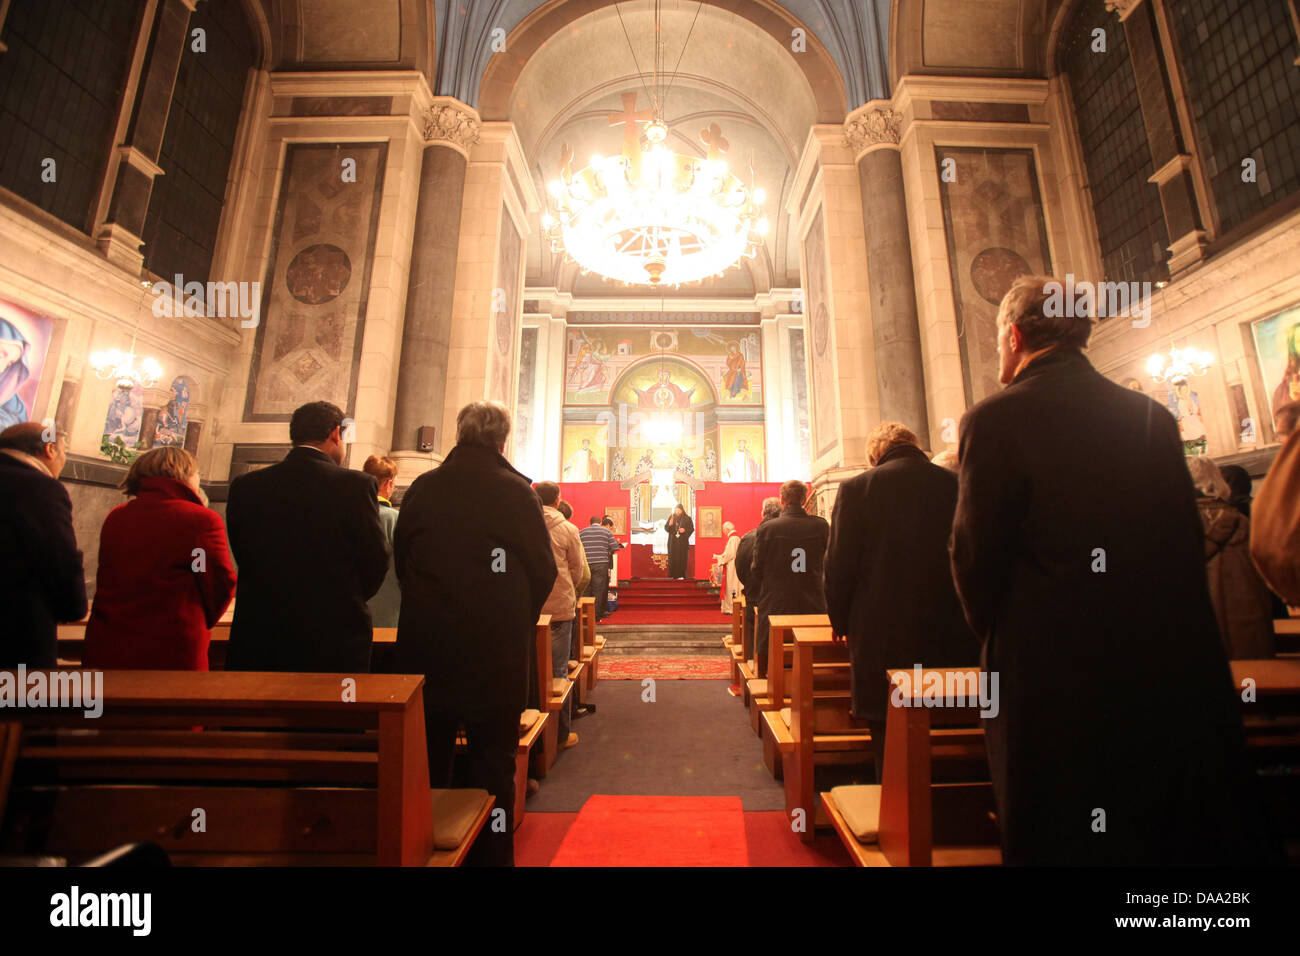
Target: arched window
x,y
1126,205
1238,64
180,230
61,82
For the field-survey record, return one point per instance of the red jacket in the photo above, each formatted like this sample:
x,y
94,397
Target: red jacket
x,y
154,608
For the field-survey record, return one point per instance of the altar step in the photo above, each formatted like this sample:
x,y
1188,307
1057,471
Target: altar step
x,y
662,640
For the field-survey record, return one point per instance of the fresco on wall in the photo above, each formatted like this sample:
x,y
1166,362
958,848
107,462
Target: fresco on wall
x,y
825,404
993,218
174,416
121,440
505,308
742,452
1277,346
584,448
308,345
730,359
24,342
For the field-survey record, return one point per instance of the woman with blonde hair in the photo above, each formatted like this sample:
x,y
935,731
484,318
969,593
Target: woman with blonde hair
x,y
164,576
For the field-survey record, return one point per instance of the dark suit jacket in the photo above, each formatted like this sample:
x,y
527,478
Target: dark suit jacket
x,y
1114,691
41,578
779,588
888,581
311,552
475,563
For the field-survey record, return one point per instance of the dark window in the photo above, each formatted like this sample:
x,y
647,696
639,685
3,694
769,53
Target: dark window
x,y
180,230
1126,205
62,78
1238,64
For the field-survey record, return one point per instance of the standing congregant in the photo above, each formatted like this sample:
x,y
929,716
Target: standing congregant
x,y
888,581
475,563
789,559
1078,556
311,552
41,579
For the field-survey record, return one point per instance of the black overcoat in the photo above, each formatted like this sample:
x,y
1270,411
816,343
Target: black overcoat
x,y
782,581
41,578
889,584
679,546
475,564
1078,556
310,551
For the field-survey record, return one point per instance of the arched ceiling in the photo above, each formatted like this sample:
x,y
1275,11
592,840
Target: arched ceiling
x,y
731,73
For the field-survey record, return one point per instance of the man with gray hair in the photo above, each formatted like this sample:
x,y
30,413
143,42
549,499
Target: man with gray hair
x,y
1079,559
42,583
474,561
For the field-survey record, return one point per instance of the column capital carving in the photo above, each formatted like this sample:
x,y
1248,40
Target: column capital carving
x,y
1122,7
450,121
873,126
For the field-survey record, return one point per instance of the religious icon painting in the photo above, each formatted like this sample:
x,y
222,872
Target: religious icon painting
x,y
24,340
710,522
173,417
1277,346
618,515
742,452
584,450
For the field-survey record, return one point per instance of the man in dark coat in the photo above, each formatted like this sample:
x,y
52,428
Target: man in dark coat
x,y
42,582
475,563
788,563
311,551
745,556
1078,555
889,585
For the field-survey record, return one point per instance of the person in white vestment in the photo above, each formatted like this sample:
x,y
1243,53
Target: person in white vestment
x,y
727,562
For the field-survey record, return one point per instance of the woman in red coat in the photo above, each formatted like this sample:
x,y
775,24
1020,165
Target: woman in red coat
x,y
165,576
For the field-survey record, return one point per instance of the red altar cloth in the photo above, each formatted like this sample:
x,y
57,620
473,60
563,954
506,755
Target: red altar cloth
x,y
643,563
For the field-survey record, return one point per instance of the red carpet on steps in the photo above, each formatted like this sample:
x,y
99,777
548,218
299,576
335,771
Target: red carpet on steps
x,y
656,831
660,601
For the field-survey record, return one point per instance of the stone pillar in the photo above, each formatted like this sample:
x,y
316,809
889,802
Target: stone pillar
x,y
900,377
451,129
136,160
1170,154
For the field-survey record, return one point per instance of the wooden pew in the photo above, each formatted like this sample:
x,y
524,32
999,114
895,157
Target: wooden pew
x,y
912,820
818,730
734,643
1272,725
532,722
592,643
1286,633
287,769
771,691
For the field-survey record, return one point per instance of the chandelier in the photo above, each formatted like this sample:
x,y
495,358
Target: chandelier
x,y
123,367
651,215
1179,365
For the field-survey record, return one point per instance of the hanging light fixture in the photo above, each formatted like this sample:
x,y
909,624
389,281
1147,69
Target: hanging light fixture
x,y
650,215
126,367
1179,364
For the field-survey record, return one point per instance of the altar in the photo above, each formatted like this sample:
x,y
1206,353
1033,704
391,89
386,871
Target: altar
x,y
645,563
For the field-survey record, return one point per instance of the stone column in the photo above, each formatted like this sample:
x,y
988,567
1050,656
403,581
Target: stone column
x,y
136,160
451,129
1170,154
873,132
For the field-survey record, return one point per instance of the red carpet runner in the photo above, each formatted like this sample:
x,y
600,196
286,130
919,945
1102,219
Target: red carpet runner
x,y
656,831
619,667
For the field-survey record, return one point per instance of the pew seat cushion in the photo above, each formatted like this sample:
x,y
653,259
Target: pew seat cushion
x,y
559,685
786,716
758,687
454,813
860,807
527,719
